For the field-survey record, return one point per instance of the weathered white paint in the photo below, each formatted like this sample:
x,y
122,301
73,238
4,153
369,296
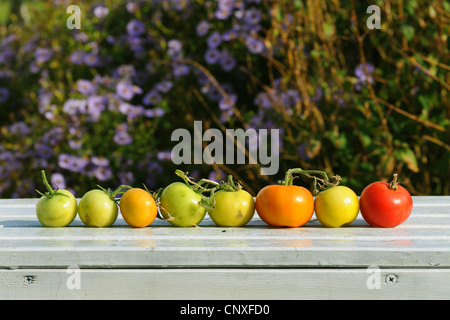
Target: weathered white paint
x,y
251,262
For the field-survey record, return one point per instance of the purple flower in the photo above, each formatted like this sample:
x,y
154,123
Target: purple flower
x,y
94,108
180,70
121,136
164,155
65,161
57,179
19,128
222,13
77,57
224,10
91,60
126,177
152,97
227,61
44,151
154,113
252,16
227,103
217,176
290,98
4,94
361,75
6,55
96,103
75,144
101,11
79,164
202,28
85,87
212,56
125,90
174,47
132,7
214,40
102,173
125,108
254,45
74,106
42,55
164,86
263,100
135,112
135,28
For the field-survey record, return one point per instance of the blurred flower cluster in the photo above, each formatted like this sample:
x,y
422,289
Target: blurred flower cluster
x,y
98,104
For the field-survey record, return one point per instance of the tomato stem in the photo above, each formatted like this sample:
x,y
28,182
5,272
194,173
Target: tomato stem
x,y
230,185
50,190
393,185
196,186
319,184
112,195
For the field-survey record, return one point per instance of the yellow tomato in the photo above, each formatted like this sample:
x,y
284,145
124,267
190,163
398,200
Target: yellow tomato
x,y
337,206
232,208
138,208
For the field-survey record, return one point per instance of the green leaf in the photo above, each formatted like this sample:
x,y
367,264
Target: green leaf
x,y
408,31
328,29
408,157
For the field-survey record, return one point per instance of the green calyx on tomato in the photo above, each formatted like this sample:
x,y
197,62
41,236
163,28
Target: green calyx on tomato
x,y
56,207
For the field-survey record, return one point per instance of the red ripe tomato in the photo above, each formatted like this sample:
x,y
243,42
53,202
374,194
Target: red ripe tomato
x,y
385,205
284,205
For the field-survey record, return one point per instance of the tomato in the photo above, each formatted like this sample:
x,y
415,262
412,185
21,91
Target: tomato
x,y
180,205
337,206
385,205
138,207
232,208
98,208
284,205
56,208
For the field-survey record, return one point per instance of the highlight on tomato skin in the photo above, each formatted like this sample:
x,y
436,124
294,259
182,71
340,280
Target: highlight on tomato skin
x,y
385,205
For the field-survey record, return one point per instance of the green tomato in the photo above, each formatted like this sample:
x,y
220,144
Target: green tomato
x,y
97,209
57,210
337,206
232,208
180,205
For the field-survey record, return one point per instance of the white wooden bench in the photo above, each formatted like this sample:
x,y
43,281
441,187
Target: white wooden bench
x,y
411,261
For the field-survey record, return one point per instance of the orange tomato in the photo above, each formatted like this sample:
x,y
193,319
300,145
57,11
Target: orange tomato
x,y
138,208
285,205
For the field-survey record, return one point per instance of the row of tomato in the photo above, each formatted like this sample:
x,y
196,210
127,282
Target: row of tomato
x,y
186,203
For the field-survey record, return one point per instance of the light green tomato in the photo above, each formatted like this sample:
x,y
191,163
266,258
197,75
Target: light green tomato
x,y
232,208
57,211
336,207
97,209
179,204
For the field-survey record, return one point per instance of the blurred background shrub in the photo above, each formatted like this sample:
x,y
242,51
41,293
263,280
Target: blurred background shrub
x,y
98,105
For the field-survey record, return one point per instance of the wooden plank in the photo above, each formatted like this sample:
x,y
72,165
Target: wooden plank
x,y
225,284
422,241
